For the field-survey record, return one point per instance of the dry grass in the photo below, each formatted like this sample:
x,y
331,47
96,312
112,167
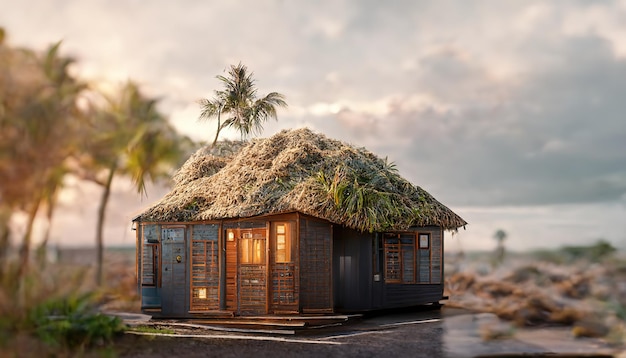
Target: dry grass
x,y
298,170
587,296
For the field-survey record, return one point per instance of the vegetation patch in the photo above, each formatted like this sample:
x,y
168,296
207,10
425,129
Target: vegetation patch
x,y
299,170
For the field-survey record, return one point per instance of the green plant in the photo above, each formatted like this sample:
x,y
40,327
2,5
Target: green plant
x,y
51,311
151,329
72,322
597,252
356,196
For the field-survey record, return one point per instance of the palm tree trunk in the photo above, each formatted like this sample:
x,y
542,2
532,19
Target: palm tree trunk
x,y
104,200
219,127
4,240
42,250
26,240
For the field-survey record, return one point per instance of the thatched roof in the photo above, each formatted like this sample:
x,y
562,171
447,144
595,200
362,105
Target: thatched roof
x,y
299,170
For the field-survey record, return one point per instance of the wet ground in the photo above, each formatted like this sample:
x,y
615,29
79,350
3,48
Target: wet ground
x,y
447,332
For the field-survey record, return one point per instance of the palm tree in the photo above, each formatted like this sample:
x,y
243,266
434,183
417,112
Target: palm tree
x,y
37,123
246,113
128,137
500,235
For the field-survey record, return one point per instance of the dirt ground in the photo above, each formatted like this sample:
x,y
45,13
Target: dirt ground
x,y
573,307
448,332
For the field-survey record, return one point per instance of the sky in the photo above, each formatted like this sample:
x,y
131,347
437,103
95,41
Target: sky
x,y
511,113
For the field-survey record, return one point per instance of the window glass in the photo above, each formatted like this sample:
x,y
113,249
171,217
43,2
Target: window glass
x,y
283,243
393,265
252,251
407,258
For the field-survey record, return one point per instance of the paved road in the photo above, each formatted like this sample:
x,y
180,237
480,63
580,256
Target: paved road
x,y
445,333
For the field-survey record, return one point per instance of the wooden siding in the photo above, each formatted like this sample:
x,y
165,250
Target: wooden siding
x,y
315,265
399,295
252,289
436,256
353,271
285,284
284,295
331,268
245,224
205,277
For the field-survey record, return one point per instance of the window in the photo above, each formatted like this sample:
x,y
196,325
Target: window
x,y
252,248
424,241
407,258
407,242
283,243
150,256
392,259
150,269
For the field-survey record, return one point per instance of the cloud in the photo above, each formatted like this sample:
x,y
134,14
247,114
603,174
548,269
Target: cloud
x,y
516,103
555,136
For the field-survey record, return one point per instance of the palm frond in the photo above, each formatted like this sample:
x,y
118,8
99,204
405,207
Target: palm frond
x,y
238,101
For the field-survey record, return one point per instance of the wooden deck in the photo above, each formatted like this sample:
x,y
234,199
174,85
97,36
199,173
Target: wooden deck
x,y
289,324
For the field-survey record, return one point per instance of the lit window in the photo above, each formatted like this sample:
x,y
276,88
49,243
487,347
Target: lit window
x,y
200,293
283,243
252,250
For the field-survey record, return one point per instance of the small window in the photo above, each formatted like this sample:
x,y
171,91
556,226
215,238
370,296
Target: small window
x,y
150,269
252,250
283,243
407,258
200,293
393,261
424,241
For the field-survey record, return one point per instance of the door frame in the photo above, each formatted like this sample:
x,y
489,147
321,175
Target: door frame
x,y
236,270
171,288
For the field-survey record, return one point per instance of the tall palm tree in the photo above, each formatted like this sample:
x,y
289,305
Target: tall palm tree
x,y
238,100
129,136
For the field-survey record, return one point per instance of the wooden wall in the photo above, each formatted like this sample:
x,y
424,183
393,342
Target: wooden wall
x,y
352,269
205,267
315,265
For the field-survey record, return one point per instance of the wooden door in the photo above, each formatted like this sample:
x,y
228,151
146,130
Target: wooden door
x,y
284,282
174,272
252,271
246,271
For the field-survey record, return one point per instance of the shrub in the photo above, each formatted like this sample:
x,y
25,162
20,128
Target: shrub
x,y
72,322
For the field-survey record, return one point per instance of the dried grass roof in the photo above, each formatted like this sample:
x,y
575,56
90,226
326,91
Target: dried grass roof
x,y
299,170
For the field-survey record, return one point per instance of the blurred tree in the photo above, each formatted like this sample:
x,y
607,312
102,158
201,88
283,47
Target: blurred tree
x,y
128,136
239,101
45,134
38,107
500,235
597,252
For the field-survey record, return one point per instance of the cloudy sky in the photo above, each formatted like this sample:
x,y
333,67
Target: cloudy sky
x,y
512,113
